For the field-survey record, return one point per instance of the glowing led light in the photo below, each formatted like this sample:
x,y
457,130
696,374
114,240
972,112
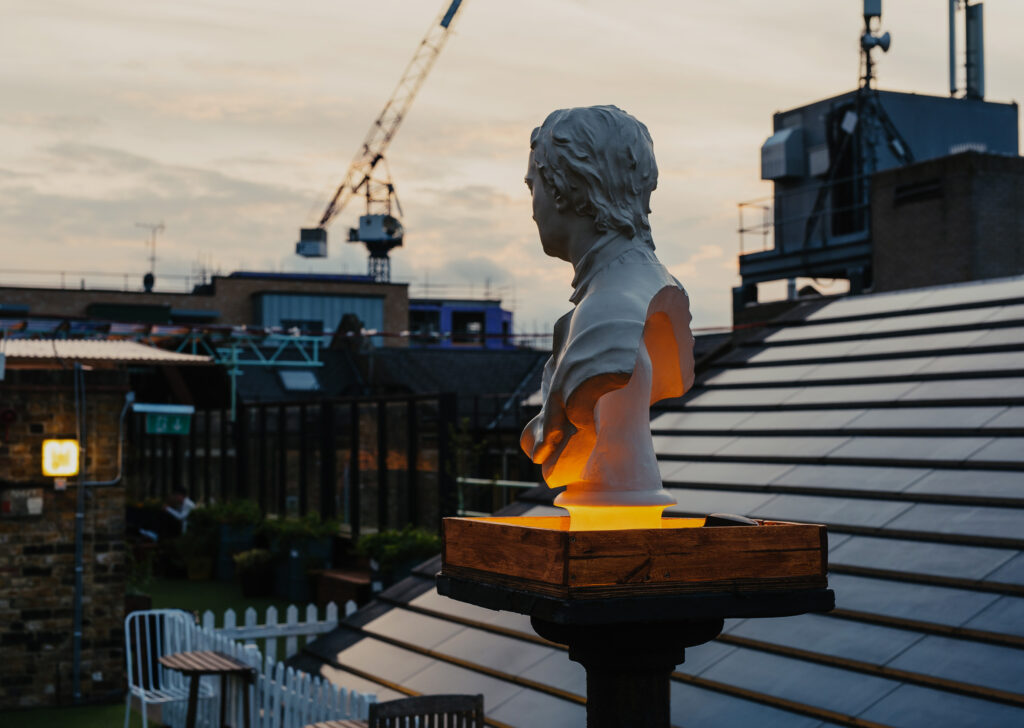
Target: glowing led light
x,y
612,518
60,458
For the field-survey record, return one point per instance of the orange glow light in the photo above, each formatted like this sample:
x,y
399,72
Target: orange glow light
x,y
561,523
612,518
60,458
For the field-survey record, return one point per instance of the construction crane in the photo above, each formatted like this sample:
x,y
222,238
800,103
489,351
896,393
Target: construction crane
x,y
379,229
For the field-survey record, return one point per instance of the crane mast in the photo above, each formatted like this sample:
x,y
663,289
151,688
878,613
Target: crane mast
x,y
380,231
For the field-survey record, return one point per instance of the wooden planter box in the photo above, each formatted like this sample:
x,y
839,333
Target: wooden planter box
x,y
540,555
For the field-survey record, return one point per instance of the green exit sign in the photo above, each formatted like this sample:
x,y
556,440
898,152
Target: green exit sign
x,y
157,424
166,419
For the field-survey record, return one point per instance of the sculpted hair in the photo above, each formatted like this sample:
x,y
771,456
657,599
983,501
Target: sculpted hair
x,y
601,160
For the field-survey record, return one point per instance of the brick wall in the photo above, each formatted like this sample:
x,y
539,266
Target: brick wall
x,y
37,551
953,219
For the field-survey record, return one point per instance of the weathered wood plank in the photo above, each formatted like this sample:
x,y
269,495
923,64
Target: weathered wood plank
x,y
530,553
541,555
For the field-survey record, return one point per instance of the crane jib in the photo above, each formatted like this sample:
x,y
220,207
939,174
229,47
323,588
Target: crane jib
x,y
452,9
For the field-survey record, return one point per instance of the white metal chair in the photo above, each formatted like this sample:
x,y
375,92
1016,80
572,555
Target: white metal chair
x,y
148,635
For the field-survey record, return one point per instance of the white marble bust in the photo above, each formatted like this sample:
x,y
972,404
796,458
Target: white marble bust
x,y
627,343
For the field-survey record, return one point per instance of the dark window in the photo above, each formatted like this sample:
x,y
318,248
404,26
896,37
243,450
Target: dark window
x,y
425,327
468,328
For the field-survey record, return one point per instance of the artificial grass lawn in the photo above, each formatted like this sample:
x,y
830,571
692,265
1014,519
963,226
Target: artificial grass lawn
x,y
92,716
217,596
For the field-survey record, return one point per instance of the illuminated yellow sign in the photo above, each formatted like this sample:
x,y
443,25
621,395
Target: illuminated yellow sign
x,y
60,458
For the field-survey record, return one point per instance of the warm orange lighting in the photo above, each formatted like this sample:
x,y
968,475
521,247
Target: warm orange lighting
x,y
60,458
613,518
561,523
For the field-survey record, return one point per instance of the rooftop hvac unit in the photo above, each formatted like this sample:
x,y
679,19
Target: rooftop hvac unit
x,y
783,154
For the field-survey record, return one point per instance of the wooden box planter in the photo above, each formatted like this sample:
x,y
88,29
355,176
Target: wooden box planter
x,y
540,555
293,563
231,539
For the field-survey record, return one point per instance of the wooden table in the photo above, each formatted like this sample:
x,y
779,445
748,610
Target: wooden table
x,y
196,664
340,724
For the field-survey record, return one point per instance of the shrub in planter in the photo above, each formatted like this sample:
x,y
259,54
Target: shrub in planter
x,y
196,553
236,523
298,546
197,544
255,571
393,554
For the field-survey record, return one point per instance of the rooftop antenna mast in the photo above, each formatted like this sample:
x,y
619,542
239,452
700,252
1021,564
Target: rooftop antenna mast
x,y
863,126
150,278
974,54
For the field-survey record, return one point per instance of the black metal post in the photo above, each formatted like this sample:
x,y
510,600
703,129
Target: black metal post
x,y
164,490
225,470
149,443
328,462
193,470
82,427
629,665
354,513
303,463
412,454
282,464
261,454
242,450
176,456
207,455
446,417
382,465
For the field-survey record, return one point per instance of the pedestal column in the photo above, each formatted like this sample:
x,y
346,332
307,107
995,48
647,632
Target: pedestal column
x,y
628,665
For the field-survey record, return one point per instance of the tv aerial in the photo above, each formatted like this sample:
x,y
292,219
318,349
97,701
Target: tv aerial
x,y
862,126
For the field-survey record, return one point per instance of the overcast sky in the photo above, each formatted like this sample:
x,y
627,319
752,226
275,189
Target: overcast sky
x,y
233,120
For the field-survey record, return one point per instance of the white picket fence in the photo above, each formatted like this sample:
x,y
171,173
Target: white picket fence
x,y
280,697
265,636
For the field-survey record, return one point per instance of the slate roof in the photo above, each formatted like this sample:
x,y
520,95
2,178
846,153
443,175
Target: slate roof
x,y
897,420
89,350
474,374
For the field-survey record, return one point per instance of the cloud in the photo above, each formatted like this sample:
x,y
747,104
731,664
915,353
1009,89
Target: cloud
x,y
235,128
61,222
57,123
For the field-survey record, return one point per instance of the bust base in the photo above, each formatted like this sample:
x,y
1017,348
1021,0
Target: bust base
x,y
628,630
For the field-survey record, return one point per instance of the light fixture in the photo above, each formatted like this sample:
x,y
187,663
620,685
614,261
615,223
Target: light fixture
x,y
60,458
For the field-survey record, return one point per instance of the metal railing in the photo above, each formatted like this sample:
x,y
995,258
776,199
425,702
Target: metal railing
x,y
758,220
374,463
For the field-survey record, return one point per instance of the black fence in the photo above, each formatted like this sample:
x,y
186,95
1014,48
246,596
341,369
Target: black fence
x,y
373,463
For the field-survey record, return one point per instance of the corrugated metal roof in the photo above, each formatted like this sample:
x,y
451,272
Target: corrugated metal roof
x,y
91,350
898,421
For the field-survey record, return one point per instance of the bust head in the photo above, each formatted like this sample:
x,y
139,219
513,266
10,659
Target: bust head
x,y
593,162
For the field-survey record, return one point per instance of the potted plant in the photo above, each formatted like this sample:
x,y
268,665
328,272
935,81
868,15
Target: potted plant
x,y
394,554
197,544
255,572
236,523
298,545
